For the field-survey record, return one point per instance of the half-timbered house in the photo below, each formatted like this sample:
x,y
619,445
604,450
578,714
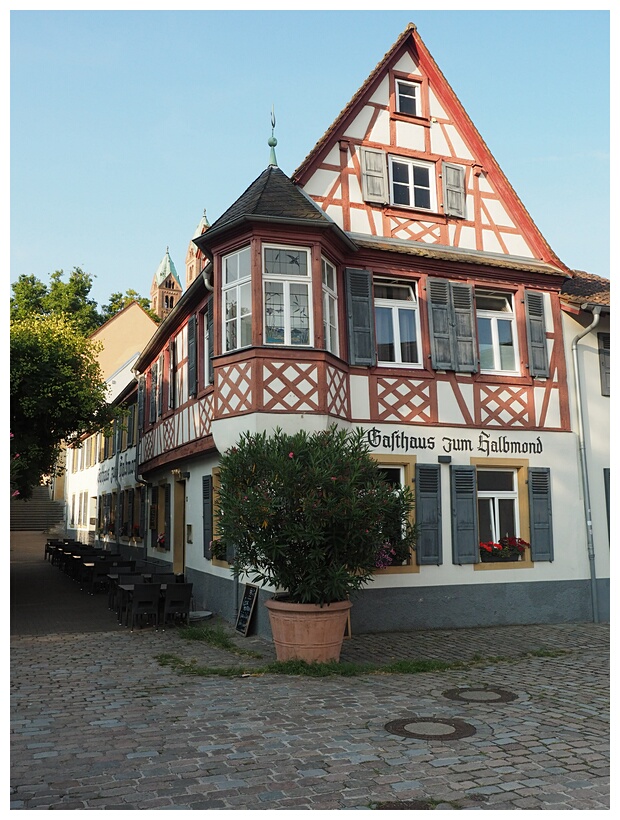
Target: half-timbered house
x,y
394,282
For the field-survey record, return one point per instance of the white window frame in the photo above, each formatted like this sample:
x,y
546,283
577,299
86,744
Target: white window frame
x,y
330,300
286,280
494,316
395,305
495,496
411,187
235,285
417,96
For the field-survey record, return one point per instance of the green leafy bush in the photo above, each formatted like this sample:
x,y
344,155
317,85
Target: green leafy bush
x,y
309,513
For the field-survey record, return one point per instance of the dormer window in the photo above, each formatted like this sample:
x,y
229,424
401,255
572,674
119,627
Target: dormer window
x,y
408,98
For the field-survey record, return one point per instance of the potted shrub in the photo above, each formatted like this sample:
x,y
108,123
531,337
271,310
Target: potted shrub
x,y
310,516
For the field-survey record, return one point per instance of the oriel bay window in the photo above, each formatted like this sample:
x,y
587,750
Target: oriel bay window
x,y
287,296
397,323
237,299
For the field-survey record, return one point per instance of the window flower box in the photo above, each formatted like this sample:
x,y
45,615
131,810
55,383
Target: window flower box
x,y
506,549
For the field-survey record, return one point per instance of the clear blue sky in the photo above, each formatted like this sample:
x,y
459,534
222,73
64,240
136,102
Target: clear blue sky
x,y
126,125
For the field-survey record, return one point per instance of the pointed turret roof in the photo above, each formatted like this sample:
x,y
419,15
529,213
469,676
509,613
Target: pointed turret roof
x,y
165,269
202,226
272,197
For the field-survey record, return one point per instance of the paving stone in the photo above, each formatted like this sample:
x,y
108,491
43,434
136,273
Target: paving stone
x,y
107,727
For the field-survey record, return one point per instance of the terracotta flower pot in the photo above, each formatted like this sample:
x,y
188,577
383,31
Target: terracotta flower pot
x,y
308,632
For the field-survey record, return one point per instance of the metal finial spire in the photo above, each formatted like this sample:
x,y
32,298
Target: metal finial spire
x,y
272,141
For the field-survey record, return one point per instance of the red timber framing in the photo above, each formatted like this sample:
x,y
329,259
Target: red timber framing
x,y
362,123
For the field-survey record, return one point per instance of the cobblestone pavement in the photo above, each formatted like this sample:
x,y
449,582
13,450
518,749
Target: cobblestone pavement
x,y
99,723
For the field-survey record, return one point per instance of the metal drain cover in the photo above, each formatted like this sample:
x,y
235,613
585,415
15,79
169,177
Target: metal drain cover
x,y
430,728
481,694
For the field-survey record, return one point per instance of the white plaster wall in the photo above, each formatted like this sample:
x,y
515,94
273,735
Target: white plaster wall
x,y
360,398
516,245
381,129
321,183
409,135
357,129
407,65
381,95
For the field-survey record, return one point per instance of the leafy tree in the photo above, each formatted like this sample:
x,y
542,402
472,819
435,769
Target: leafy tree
x,y
57,394
118,302
32,297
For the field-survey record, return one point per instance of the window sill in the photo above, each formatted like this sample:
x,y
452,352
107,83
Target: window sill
x,y
404,569
413,118
526,563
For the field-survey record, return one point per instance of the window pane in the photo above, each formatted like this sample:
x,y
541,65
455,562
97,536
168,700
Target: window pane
x,y
231,272
485,344
400,172
246,330
231,303
406,99
485,519
300,316
286,261
421,176
231,335
391,475
401,195
244,263
408,343
506,346
385,335
506,517
494,480
274,313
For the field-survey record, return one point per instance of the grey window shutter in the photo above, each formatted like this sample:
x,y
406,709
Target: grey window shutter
x,y
207,515
153,396
209,352
140,403
130,494
466,349
428,513
167,516
153,515
172,367
465,540
374,175
361,320
440,321
604,361
160,385
192,369
541,529
453,177
536,334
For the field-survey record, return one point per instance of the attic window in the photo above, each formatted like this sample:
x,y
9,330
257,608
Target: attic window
x,y
408,98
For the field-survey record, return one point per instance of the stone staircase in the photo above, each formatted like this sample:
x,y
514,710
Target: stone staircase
x,y
36,513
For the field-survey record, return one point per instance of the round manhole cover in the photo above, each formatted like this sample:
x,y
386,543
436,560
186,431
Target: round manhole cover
x,y
430,728
481,694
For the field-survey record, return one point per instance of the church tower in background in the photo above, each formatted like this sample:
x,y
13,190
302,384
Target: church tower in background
x,y
166,288
195,259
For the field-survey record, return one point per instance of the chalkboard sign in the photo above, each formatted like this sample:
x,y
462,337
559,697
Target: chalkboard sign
x,y
246,609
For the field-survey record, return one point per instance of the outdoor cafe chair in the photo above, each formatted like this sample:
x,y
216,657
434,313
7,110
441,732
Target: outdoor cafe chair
x,y
177,601
144,603
116,597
